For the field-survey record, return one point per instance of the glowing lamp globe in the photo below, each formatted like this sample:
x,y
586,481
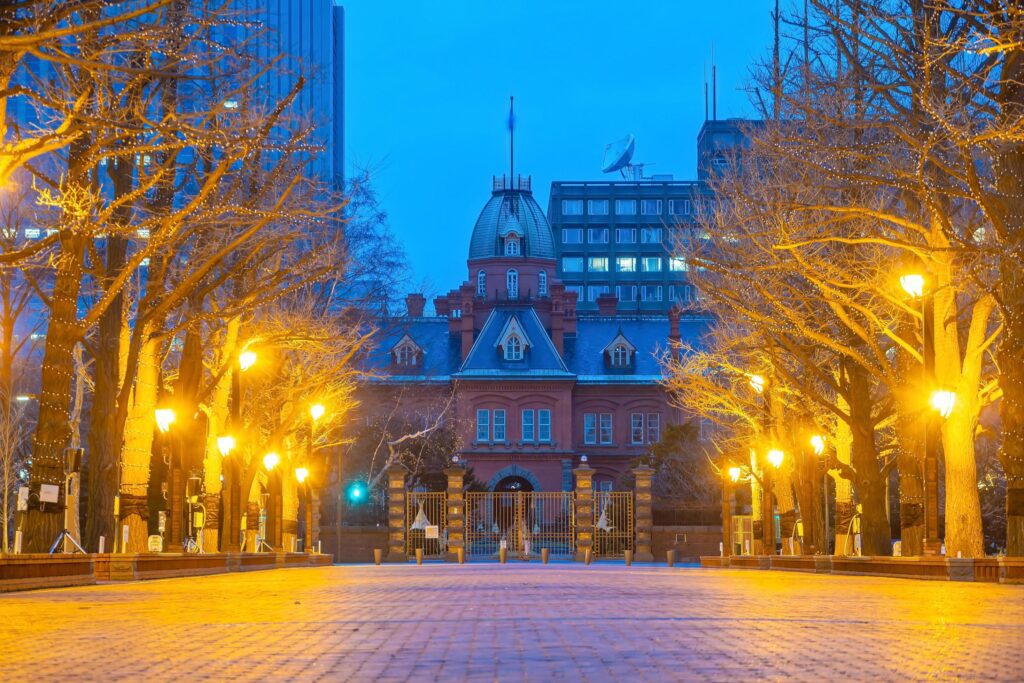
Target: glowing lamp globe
x,y
270,460
757,383
301,474
943,402
818,444
775,457
225,444
316,411
913,284
164,419
246,360
734,473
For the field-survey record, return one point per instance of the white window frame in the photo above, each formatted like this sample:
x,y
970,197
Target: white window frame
x,y
630,260
513,347
594,291
651,231
619,289
529,431
511,246
655,289
625,207
544,425
573,259
499,426
512,283
625,232
573,231
590,429
686,207
636,427
481,283
620,356
594,235
483,425
594,207
542,283
678,264
594,263
647,261
605,428
644,206
653,430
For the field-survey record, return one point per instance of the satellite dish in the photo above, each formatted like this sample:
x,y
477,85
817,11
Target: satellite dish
x,y
618,154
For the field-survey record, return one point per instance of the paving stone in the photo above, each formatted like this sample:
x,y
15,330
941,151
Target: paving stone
x,y
515,622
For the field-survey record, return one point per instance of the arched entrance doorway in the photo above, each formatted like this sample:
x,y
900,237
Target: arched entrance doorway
x,y
514,483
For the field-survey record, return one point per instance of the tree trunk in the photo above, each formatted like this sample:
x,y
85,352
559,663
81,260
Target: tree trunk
x,y
138,445
757,545
844,490
783,486
53,432
870,484
964,537
218,418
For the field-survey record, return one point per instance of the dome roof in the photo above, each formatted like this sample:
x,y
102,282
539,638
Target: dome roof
x,y
512,210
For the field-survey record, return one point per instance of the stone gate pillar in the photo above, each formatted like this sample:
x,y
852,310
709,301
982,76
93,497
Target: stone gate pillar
x,y
584,510
642,514
396,514
456,514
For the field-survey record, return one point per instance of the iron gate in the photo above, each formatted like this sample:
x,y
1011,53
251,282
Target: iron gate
x,y
521,521
426,526
613,523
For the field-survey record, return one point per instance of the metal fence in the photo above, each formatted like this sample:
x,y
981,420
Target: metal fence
x,y
613,523
426,525
524,522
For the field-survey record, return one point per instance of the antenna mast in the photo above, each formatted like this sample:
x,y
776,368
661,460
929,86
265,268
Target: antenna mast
x,y
714,86
511,140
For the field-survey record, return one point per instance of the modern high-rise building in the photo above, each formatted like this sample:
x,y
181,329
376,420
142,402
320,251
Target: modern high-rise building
x,y
624,239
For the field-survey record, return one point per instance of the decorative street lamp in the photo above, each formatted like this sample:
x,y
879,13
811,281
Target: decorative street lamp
x,y
225,444
915,285
301,473
164,419
246,360
818,444
775,457
943,401
271,460
756,383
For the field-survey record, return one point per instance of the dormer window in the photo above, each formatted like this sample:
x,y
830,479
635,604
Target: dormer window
x,y
407,353
513,348
481,284
512,245
619,354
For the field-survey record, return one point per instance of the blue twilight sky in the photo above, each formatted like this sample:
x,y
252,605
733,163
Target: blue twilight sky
x,y
428,82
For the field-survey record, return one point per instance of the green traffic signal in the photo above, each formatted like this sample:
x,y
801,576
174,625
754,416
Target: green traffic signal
x,y
356,492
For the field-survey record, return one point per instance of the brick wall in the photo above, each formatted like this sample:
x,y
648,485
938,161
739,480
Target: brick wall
x,y
357,542
689,542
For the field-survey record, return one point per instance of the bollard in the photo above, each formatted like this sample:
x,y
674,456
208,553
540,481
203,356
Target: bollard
x,y
629,557
670,557
461,554
502,554
419,555
378,555
586,557
544,555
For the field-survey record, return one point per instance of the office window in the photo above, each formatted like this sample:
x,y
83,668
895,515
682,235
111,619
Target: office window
x,y
597,207
625,207
590,428
529,434
625,264
481,283
625,235
679,207
651,264
636,428
544,425
594,291
572,235
650,293
499,425
650,235
577,289
32,233
677,264
653,427
572,207
679,293
606,428
597,235
572,264
512,283
648,207
542,283
597,264
483,425
626,292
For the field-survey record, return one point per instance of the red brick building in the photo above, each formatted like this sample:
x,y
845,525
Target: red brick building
x,y
536,386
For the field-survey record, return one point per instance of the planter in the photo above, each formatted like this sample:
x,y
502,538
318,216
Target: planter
x,y
751,561
248,562
1011,570
716,561
960,568
285,560
319,560
934,568
25,572
817,564
986,569
144,566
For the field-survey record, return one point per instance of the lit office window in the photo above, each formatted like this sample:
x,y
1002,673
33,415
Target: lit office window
x,y
572,264
651,264
625,264
597,264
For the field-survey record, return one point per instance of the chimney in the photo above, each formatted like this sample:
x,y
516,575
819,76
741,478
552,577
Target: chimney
x,y
414,305
606,304
673,324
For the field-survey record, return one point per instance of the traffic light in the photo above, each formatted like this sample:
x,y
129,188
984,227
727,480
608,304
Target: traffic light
x,y
356,492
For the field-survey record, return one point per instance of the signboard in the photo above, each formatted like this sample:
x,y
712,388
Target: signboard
x,y
22,499
431,532
49,493
156,543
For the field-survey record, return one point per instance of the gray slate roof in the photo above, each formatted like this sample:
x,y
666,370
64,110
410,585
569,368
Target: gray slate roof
x,y
540,361
504,209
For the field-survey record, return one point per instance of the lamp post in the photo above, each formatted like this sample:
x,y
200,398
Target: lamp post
x,y
732,475
232,498
164,418
760,385
316,411
914,284
818,444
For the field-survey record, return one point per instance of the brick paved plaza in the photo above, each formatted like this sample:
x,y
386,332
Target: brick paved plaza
x,y
516,622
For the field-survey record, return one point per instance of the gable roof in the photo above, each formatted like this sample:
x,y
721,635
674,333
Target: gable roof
x,y
620,338
540,362
440,357
512,326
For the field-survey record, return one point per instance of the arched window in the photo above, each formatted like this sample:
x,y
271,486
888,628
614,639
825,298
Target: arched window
x,y
481,284
511,246
406,355
542,283
513,348
620,356
512,284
